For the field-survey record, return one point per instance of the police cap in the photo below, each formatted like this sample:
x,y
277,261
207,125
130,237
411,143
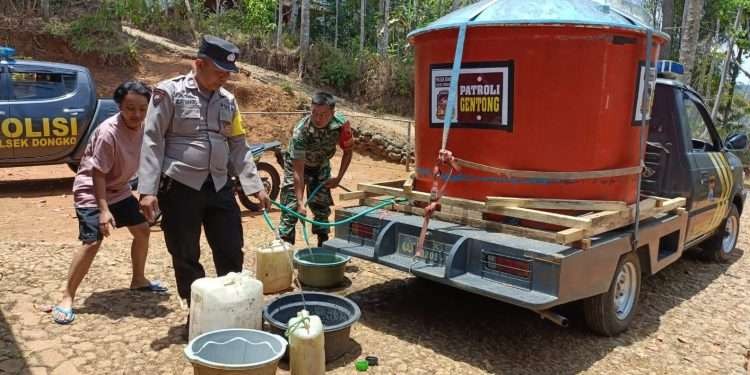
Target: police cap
x,y
222,53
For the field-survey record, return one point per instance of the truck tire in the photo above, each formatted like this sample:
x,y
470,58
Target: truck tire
x,y
720,246
272,182
610,313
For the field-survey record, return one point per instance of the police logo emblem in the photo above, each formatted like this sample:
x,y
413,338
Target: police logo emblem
x,y
159,94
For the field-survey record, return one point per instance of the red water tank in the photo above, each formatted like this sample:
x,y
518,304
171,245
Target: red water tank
x,y
549,86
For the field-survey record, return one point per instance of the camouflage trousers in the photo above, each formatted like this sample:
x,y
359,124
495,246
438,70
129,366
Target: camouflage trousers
x,y
319,205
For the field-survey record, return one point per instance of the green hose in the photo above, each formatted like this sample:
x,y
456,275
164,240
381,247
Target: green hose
x,y
304,219
380,205
302,322
267,219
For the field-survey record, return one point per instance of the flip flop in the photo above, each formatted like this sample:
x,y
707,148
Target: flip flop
x,y
152,287
68,316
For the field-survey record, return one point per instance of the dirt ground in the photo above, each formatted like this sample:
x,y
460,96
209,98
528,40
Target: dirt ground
x,y
692,316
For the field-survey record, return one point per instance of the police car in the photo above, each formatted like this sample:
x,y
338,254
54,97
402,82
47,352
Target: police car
x,y
48,111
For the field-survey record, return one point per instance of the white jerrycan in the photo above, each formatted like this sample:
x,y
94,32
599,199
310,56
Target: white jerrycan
x,y
273,266
306,345
231,301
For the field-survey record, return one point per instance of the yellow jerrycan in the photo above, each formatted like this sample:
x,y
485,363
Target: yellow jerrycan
x,y
306,345
273,266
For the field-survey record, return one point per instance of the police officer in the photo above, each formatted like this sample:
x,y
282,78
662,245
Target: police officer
x,y
193,133
307,162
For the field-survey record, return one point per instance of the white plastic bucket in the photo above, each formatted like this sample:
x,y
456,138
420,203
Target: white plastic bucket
x,y
235,351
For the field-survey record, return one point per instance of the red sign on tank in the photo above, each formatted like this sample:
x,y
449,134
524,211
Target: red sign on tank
x,y
484,95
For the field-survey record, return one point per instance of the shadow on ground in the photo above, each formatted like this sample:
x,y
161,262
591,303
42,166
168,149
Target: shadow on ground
x,y
501,338
11,357
37,187
120,303
176,335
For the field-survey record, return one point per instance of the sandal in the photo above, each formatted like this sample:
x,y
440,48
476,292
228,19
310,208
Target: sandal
x,y
152,287
62,315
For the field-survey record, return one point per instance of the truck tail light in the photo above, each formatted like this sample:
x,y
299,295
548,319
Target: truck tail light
x,y
511,266
362,230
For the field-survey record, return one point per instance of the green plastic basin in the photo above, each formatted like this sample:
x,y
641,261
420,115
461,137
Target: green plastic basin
x,y
320,268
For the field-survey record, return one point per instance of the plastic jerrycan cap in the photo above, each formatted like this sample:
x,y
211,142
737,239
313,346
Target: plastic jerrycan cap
x,y
361,365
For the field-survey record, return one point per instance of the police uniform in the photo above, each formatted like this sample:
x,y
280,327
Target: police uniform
x,y
316,146
191,139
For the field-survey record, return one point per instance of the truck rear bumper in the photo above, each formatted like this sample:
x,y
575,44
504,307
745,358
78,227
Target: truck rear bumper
x,y
528,273
468,281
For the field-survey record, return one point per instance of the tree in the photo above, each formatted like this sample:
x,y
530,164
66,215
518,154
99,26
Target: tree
x,y
725,68
712,62
336,37
735,74
191,20
293,16
667,11
304,43
362,18
691,21
45,9
383,40
279,23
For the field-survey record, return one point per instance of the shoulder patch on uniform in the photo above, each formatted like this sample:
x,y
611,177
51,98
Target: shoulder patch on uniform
x,y
157,96
346,137
339,117
226,93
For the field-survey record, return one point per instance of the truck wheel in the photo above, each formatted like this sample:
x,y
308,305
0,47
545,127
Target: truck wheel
x,y
73,167
720,246
271,181
610,313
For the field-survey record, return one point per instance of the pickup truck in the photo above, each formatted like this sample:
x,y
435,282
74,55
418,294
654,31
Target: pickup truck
x,y
48,111
685,161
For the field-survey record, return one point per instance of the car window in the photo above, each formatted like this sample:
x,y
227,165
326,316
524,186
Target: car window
x,y
38,85
698,129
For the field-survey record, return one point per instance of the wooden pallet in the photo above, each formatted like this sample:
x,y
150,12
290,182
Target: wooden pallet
x,y
589,218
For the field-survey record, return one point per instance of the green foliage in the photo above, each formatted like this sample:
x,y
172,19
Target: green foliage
x,y
97,33
229,24
384,82
252,19
332,67
287,88
259,16
57,28
148,15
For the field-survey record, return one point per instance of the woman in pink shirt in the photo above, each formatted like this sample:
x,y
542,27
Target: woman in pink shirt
x,y
103,197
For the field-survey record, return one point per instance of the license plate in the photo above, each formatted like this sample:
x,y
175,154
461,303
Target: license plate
x,y
434,251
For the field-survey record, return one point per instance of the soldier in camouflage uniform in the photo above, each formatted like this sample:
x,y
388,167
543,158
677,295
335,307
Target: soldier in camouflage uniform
x,y
307,164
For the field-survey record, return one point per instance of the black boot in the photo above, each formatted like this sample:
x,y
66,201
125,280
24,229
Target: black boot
x,y
323,237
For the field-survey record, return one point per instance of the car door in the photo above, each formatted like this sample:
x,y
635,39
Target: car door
x,y
6,144
44,100
711,181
